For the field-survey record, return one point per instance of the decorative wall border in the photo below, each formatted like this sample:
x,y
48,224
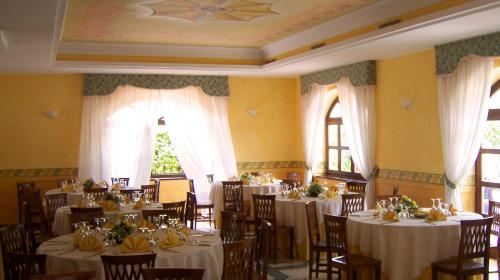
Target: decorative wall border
x,y
429,178
270,164
38,172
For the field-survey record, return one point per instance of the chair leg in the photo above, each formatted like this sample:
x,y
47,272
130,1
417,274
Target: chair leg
x,y
291,243
378,272
329,267
311,263
210,216
435,274
275,249
486,274
317,263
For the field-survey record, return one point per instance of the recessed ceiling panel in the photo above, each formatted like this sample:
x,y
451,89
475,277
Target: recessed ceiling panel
x,y
220,23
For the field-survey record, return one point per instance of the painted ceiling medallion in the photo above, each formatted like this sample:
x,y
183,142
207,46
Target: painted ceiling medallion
x,y
211,10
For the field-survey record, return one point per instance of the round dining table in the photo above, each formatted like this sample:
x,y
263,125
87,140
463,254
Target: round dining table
x,y
62,221
203,251
406,247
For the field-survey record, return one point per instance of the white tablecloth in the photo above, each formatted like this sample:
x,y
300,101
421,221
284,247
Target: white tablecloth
x,y
406,247
60,260
62,223
73,197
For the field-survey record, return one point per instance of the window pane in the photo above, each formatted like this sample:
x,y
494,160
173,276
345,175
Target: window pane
x,y
333,159
332,135
346,161
487,195
490,164
336,113
343,137
164,159
494,102
491,139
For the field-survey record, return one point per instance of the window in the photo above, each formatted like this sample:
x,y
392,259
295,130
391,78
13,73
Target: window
x,y
165,163
338,156
488,159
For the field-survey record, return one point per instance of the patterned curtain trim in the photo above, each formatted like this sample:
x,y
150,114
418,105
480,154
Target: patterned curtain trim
x,y
103,84
360,74
448,55
39,172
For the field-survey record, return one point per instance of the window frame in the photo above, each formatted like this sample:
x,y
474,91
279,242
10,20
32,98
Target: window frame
x,y
167,176
493,115
343,175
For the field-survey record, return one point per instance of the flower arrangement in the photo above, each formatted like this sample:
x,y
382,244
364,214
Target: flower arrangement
x,y
246,177
406,202
88,184
119,230
111,197
314,190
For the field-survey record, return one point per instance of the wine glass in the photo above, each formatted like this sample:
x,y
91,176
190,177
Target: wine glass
x,y
433,203
151,240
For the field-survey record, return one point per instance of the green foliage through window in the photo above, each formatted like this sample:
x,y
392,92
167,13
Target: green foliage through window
x,y
164,160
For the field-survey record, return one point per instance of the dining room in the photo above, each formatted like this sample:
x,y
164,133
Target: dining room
x,y
358,140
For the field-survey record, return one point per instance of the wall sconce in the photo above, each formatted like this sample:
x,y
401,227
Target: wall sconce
x,y
405,103
252,112
51,114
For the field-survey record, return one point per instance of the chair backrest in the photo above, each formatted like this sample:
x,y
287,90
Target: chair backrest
x,y
336,235
264,208
352,203
178,207
84,217
126,267
150,191
22,266
149,214
474,240
232,196
97,193
294,176
191,186
52,202
210,178
127,194
172,273
190,208
312,222
12,239
232,226
81,275
239,259
357,187
29,227
494,210
264,246
25,186
122,180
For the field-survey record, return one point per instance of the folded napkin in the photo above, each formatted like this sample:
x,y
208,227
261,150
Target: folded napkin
x,y
90,243
294,195
170,239
436,215
81,203
68,187
186,231
115,187
145,224
109,205
390,216
76,238
453,210
139,204
134,244
331,193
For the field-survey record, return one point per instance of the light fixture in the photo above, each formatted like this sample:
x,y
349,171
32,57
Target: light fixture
x,y
51,114
405,103
252,112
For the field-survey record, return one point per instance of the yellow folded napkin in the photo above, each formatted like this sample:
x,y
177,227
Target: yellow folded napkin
x,y
346,190
293,195
109,205
145,224
390,216
436,215
90,243
134,244
170,239
331,193
186,231
453,210
139,204
81,203
115,187
68,187
76,238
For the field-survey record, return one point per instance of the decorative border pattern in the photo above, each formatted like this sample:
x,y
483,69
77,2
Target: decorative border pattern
x,y
448,55
104,84
40,172
360,74
270,164
413,176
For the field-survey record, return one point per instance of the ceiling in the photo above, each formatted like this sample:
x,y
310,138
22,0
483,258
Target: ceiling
x,y
227,37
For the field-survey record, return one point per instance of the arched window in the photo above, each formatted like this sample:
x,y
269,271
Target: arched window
x,y
488,160
338,157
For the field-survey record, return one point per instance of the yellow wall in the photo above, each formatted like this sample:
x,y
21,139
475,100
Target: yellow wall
x,y
408,139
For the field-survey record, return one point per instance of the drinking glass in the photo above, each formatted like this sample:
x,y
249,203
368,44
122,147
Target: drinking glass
x,y
433,203
151,240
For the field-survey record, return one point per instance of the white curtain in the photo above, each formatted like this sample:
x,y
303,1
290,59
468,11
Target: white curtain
x,y
118,134
463,112
313,126
358,117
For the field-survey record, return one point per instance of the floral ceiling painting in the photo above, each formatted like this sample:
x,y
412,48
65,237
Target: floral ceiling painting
x,y
212,23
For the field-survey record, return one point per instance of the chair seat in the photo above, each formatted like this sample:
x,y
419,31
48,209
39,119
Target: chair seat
x,y
450,266
205,204
355,261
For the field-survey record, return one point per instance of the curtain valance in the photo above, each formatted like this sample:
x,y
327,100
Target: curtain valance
x,y
448,55
104,84
360,74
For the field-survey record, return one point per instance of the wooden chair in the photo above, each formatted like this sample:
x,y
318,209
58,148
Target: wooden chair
x,y
97,193
202,205
232,196
494,211
232,226
352,203
191,212
35,230
264,247
336,242
149,214
12,239
35,211
122,180
474,244
83,275
357,187
21,188
126,267
52,202
151,192
316,245
21,266
239,259
84,217
173,273
177,207
265,209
